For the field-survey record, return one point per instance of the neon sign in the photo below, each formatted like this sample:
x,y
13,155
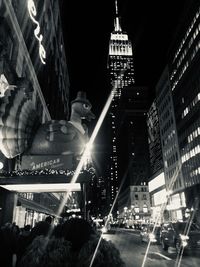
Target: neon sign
x,y
33,12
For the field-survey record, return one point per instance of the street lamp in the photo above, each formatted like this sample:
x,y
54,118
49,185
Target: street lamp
x,y
125,211
87,154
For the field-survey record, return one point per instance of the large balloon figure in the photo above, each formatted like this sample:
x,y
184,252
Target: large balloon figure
x,y
65,137
17,122
20,132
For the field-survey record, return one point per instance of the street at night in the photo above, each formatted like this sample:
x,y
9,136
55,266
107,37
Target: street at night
x,y
134,252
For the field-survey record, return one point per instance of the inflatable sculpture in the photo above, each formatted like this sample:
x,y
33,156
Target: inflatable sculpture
x,y
21,133
65,137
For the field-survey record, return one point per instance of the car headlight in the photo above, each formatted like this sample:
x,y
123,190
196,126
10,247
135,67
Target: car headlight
x,y
104,229
184,240
151,236
184,237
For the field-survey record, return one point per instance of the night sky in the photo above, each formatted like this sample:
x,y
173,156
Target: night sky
x,y
87,26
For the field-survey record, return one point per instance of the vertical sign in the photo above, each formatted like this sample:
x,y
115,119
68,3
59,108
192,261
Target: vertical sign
x,y
33,12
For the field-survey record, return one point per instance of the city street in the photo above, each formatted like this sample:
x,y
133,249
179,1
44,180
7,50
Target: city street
x,y
133,252
99,133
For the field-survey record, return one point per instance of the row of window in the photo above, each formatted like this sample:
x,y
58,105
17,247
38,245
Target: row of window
x,y
140,189
194,135
172,160
164,103
191,153
187,33
193,103
195,172
144,197
167,125
170,173
169,139
186,65
28,196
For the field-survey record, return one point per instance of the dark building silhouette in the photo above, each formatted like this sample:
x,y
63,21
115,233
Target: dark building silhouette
x,y
155,151
133,137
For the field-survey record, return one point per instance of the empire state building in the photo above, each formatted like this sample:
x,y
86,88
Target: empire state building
x,y
120,60
121,73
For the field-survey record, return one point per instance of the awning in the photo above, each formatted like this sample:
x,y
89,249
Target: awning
x,y
32,205
46,183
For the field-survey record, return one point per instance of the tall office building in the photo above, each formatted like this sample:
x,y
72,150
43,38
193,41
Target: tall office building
x,y
133,148
184,69
156,160
178,101
120,60
170,149
133,137
120,65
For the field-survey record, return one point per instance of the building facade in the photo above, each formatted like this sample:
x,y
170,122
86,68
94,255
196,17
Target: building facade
x,y
134,205
156,160
156,183
184,67
121,72
32,60
177,98
133,136
170,149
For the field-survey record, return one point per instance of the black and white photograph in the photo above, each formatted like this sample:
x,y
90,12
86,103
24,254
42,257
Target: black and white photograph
x,y
99,133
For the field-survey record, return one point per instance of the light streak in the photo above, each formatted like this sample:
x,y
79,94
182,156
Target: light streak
x,y
87,149
186,232
163,207
163,256
98,244
90,142
85,153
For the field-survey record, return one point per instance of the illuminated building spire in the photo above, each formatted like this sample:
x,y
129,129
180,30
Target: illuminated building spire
x,y
120,61
116,7
116,23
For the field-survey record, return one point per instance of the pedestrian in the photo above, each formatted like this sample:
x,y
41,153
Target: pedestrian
x,y
41,228
84,241
49,219
23,242
77,231
8,244
47,251
104,254
71,244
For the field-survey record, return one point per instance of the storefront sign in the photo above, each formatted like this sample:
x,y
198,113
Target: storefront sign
x,y
33,12
34,162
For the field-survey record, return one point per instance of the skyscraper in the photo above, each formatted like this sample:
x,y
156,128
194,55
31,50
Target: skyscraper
x,y
178,102
156,159
120,65
184,68
120,60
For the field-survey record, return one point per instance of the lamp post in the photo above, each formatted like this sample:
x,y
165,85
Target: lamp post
x,y
133,212
125,214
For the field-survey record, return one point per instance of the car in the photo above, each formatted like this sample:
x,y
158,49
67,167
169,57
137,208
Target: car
x,y
180,235
150,233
